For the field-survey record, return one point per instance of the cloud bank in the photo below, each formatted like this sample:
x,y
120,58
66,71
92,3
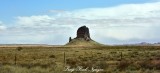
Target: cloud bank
x,y
2,26
129,23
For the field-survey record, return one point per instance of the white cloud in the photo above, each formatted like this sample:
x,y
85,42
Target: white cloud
x,y
41,20
155,0
128,11
57,11
121,23
2,27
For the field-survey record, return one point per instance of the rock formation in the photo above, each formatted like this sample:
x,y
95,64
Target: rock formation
x,y
82,38
70,39
83,32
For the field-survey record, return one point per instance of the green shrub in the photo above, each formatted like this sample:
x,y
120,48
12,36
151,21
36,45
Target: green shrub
x,y
19,48
52,56
123,64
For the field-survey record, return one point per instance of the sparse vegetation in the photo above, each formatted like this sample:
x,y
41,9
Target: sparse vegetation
x,y
52,56
19,48
113,59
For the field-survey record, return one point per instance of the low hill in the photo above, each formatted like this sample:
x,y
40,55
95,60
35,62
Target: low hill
x,y
82,42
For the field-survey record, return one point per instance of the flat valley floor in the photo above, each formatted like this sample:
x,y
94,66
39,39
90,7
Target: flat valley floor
x,y
61,59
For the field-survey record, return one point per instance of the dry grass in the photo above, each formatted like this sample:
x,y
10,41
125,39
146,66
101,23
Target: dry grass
x,y
118,59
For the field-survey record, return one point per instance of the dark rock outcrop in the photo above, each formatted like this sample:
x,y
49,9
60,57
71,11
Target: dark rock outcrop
x,y
70,39
82,39
83,32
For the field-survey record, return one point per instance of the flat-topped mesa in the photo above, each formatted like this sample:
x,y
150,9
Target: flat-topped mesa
x,y
83,32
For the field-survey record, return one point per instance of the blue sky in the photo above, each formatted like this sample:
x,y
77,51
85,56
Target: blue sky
x,y
12,8
117,21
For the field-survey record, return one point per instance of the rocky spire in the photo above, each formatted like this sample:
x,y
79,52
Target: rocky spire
x,y
70,39
83,32
82,38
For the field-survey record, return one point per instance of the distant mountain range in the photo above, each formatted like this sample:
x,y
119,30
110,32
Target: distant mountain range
x,y
145,44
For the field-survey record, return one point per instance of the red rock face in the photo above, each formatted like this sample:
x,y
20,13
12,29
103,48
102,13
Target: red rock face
x,y
83,32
